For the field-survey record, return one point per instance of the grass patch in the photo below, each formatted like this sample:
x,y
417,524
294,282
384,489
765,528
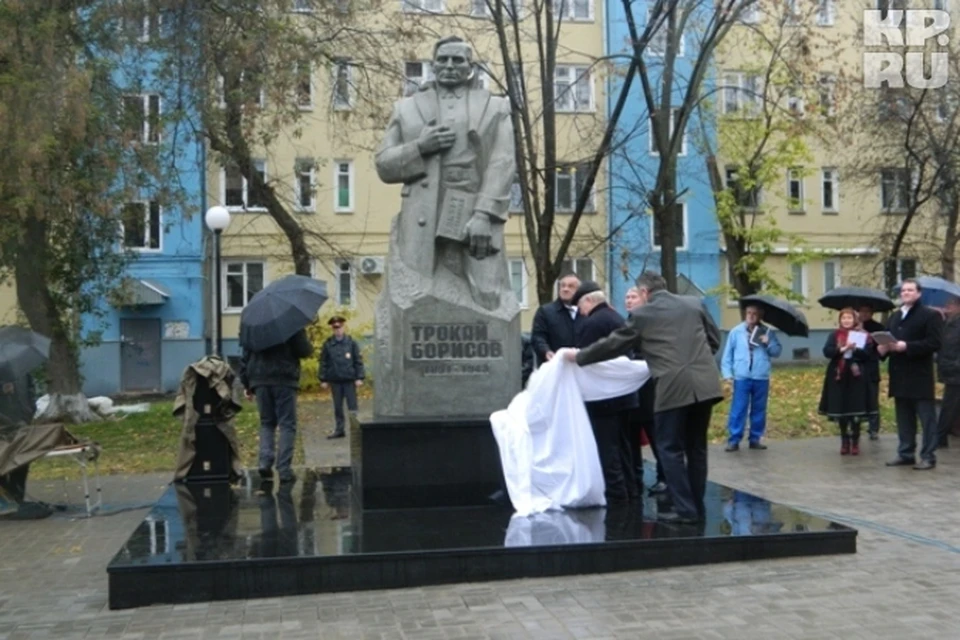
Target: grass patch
x,y
148,442
792,407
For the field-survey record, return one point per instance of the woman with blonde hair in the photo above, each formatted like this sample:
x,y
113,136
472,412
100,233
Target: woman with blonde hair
x,y
848,395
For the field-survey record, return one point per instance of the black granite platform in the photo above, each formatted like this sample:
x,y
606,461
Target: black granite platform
x,y
213,542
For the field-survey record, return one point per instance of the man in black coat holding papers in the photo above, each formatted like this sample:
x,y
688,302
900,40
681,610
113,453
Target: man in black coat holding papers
x,y
917,330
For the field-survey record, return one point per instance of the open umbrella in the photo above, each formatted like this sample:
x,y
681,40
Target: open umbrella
x,y
22,350
779,313
280,310
856,297
935,292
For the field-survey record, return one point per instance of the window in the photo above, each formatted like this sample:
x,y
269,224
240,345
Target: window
x,y
304,85
886,5
896,271
830,189
828,92
422,6
792,12
750,14
742,93
573,88
941,5
582,267
242,281
141,118
673,121
237,194
516,196
511,8
343,181
415,73
141,226
305,184
660,39
825,13
679,218
342,81
141,19
346,283
795,189
303,6
572,10
831,275
746,198
570,183
943,110
518,280
795,103
894,196
798,279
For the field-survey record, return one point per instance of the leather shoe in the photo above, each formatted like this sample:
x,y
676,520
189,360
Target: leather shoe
x,y
266,474
925,465
758,446
660,487
288,479
732,447
874,436
335,435
672,517
901,462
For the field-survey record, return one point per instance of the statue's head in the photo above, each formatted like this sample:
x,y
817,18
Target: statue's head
x,y
452,62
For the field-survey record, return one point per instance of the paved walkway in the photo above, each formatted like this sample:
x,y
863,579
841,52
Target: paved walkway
x,y
903,583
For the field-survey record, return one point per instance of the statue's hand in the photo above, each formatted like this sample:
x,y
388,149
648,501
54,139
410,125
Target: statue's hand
x,y
435,138
479,235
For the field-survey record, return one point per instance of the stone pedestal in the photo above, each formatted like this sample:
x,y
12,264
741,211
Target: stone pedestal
x,y
435,359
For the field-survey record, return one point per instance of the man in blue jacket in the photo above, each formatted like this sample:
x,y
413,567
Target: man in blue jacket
x,y
746,361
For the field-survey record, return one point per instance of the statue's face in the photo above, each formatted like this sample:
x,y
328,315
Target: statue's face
x,y
452,64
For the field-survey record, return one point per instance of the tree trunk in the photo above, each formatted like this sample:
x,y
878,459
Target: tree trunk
x,y
948,259
665,208
67,401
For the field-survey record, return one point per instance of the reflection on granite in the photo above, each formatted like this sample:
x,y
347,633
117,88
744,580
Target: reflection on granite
x,y
314,518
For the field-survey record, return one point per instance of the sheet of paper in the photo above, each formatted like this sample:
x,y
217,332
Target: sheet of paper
x,y
858,338
883,337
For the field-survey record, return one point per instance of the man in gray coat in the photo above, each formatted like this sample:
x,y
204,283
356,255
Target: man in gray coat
x,y
678,339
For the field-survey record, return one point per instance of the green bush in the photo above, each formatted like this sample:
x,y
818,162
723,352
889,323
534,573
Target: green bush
x,y
318,332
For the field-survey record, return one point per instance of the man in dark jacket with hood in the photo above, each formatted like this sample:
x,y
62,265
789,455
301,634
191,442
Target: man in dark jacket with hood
x,y
948,370
609,418
273,376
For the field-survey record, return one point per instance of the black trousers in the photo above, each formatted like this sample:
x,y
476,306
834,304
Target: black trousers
x,y
611,433
949,411
908,410
873,422
682,441
343,391
850,429
651,431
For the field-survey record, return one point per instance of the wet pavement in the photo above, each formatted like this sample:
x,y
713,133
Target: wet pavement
x,y
902,582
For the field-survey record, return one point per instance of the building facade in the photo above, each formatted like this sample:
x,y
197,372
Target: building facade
x,y
634,233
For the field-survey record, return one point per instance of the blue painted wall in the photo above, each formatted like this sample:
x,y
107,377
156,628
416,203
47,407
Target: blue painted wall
x,y
633,168
178,266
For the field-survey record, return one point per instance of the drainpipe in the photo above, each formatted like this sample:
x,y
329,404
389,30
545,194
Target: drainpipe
x,y
609,170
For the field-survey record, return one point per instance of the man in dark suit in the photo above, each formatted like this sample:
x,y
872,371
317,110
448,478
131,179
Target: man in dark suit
x,y
608,418
555,325
679,340
872,366
917,329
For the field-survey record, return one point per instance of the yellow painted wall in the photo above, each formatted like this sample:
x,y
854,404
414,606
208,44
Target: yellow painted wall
x,y
8,304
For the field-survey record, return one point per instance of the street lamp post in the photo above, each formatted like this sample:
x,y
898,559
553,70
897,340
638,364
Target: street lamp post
x,y
217,219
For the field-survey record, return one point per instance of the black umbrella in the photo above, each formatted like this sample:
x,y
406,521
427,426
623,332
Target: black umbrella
x,y
22,350
280,310
856,297
935,291
779,313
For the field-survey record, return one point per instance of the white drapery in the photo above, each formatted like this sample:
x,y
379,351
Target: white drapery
x,y
547,448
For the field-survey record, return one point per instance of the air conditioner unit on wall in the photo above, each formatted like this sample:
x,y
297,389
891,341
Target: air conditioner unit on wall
x,y
371,265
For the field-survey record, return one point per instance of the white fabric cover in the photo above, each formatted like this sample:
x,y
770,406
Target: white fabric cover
x,y
547,448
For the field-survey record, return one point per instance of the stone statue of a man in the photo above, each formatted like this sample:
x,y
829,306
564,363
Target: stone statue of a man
x,y
451,147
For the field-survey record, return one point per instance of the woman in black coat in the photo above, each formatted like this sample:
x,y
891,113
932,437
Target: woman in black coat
x,y
849,395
